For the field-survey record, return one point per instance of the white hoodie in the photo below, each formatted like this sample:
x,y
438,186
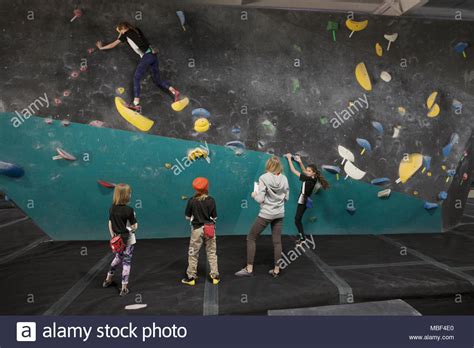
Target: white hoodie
x,y
273,192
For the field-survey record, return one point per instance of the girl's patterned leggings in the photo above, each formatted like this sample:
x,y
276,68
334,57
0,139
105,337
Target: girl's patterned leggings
x,y
124,258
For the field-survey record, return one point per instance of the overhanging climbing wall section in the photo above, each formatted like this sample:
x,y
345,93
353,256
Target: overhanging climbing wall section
x,y
64,198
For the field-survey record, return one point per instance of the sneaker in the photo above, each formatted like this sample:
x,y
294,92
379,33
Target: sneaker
x,y
124,292
301,239
273,274
215,279
244,273
136,108
106,284
176,95
189,281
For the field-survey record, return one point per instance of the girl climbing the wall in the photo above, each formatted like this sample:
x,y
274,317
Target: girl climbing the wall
x,y
311,180
123,223
201,212
272,193
148,59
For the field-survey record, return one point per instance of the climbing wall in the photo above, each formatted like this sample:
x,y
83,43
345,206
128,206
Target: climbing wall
x,y
68,197
272,81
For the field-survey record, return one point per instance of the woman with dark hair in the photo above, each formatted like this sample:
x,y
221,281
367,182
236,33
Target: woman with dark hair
x,y
148,59
311,178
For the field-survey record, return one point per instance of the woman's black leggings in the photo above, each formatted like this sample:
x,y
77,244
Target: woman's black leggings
x,y
300,210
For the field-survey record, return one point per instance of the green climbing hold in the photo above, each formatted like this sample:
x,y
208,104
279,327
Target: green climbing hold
x,y
323,120
295,85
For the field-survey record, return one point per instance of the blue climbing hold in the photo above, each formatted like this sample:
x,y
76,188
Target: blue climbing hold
x,y
364,144
378,127
236,130
331,169
380,181
11,170
442,195
235,144
200,112
430,206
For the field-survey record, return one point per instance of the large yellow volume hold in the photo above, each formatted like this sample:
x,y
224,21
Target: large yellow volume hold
x,y
409,166
141,122
362,77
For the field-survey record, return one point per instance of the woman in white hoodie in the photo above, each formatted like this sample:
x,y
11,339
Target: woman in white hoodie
x,y
273,192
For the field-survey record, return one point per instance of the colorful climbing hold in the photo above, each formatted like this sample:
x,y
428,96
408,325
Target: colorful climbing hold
x,y
380,181
364,144
353,172
426,163
362,76
430,206
385,76
77,13
333,27
409,165
200,112
390,38
384,193
201,125
346,154
452,141
62,154
120,90
96,123
168,165
182,19
443,195
106,184
354,26
198,153
378,127
461,48
11,170
378,49
295,85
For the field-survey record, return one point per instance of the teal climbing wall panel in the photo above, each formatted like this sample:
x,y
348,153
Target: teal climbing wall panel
x,y
64,199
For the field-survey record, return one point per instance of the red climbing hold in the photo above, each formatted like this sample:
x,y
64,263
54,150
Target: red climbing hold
x,y
106,184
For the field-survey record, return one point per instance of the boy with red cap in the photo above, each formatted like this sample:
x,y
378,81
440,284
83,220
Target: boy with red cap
x,y
201,211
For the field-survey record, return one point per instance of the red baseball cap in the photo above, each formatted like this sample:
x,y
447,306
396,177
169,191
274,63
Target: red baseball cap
x,y
201,185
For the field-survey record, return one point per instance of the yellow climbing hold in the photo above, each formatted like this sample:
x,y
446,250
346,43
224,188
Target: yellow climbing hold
x,y
415,193
443,167
168,165
196,153
429,173
362,77
435,110
402,111
431,100
201,125
120,90
378,49
354,26
409,166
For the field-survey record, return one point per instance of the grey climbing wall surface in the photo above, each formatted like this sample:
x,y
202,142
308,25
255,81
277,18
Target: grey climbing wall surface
x,y
274,79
